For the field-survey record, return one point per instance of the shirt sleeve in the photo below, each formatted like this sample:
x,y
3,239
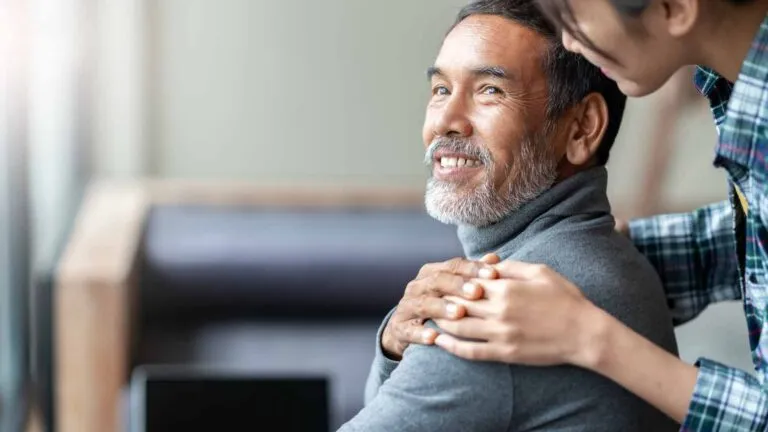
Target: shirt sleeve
x,y
726,399
432,389
382,366
695,256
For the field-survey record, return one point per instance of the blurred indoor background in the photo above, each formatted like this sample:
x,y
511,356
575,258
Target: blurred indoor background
x,y
236,95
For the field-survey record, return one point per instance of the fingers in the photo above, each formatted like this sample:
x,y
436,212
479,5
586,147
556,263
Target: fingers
x,y
435,285
490,259
397,336
520,270
472,291
472,328
476,308
420,334
414,331
493,289
459,267
517,278
443,284
482,351
407,324
430,307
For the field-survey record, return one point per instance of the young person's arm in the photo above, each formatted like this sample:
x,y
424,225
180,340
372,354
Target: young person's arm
x,y
710,397
695,256
573,330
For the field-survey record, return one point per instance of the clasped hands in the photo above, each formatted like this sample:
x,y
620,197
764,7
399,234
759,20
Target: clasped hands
x,y
491,310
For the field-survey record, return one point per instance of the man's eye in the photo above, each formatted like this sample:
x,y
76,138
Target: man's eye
x,y
440,91
491,90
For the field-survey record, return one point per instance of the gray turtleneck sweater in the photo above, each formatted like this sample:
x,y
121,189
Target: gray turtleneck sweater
x,y
570,229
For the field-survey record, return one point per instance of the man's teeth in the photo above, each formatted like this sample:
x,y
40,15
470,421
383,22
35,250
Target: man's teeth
x,y
450,162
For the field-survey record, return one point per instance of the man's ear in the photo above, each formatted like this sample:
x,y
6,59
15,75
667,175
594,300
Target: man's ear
x,y
587,129
679,16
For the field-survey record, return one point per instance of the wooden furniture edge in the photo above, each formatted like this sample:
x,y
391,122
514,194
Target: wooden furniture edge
x,y
93,298
244,194
96,280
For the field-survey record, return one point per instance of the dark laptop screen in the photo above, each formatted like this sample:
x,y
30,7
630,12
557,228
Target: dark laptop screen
x,y
210,403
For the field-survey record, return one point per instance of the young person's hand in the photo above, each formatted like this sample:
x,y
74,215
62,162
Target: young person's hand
x,y
423,300
530,315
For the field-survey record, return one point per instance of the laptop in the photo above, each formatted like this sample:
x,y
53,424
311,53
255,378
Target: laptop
x,y
174,398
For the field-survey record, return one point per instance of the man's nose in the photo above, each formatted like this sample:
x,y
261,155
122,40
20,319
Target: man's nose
x,y
454,120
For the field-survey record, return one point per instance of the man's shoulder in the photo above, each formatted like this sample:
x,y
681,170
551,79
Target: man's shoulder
x,y
433,387
596,259
610,272
577,250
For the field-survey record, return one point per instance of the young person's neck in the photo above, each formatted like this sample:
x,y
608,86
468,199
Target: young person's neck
x,y
726,35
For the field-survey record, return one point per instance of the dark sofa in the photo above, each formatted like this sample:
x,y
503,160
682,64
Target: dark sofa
x,y
278,282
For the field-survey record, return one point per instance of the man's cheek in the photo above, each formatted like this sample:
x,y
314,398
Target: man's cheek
x,y
427,137
429,128
499,170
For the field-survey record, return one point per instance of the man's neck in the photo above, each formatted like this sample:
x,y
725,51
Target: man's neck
x,y
580,194
725,36
565,169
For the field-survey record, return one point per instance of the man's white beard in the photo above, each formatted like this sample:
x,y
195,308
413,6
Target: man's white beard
x,y
534,172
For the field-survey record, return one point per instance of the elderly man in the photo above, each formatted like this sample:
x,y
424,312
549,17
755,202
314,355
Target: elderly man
x,y
517,133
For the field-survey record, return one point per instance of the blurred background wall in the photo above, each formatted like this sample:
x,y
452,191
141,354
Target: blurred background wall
x,y
291,92
274,93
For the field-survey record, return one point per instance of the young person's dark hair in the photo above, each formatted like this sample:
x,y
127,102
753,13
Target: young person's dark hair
x,y
570,77
560,13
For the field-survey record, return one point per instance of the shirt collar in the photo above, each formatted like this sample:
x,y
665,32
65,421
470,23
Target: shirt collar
x,y
705,80
733,105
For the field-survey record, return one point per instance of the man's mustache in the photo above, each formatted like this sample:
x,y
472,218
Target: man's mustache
x,y
458,145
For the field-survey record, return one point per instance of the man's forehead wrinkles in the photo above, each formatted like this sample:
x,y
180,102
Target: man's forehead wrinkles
x,y
494,44
476,55
476,44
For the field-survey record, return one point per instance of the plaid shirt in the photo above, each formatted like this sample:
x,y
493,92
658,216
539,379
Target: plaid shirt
x,y
720,253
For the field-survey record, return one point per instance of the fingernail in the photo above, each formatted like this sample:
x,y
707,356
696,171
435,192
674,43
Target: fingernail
x,y
469,289
486,273
452,310
427,335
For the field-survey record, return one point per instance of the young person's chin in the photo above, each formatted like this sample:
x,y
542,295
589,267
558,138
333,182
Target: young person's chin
x,y
635,89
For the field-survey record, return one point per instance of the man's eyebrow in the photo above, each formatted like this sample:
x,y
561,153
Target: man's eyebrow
x,y
493,71
432,71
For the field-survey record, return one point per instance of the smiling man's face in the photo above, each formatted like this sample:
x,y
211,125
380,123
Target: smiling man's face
x,y
486,132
